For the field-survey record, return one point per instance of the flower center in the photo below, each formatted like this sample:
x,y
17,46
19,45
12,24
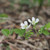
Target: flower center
x,y
25,26
33,22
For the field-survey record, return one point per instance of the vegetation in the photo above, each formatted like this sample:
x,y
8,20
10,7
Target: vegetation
x,y
23,33
3,15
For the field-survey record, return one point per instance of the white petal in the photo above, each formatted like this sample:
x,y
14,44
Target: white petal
x,y
37,20
29,20
28,26
33,19
21,24
25,22
22,27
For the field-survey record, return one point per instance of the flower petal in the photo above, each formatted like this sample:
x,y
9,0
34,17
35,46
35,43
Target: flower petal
x,y
22,27
28,26
33,19
25,23
29,20
37,20
21,24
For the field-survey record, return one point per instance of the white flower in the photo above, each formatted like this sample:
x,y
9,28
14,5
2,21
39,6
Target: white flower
x,y
34,21
25,25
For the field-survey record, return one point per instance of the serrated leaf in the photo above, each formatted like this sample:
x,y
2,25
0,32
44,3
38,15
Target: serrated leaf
x,y
11,31
6,32
41,29
28,34
45,32
20,32
47,25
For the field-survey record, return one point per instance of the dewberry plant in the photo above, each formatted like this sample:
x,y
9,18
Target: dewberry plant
x,y
25,26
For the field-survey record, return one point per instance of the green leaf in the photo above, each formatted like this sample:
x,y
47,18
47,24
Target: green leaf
x,y
41,29
11,31
45,32
6,32
20,32
3,15
47,25
28,34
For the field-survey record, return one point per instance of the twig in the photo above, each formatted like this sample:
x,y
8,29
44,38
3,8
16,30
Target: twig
x,y
23,42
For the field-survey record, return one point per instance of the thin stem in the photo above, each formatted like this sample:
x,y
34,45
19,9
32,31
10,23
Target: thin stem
x,y
34,28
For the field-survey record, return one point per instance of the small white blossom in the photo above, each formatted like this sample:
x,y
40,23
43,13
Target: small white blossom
x,y
25,25
34,21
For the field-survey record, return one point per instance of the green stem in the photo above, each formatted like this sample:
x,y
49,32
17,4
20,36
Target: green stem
x,y
34,28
